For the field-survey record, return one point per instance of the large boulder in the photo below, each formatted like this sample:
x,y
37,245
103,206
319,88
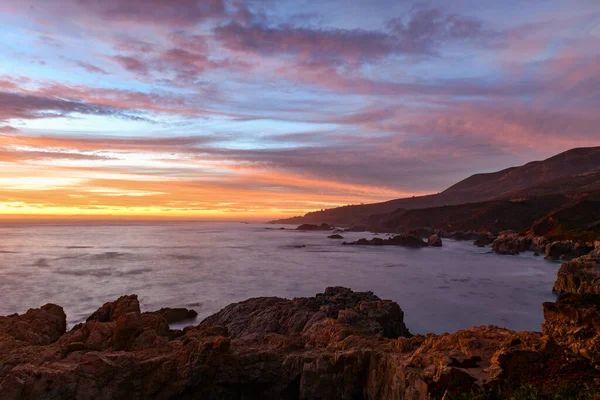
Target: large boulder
x,y
434,241
111,311
39,326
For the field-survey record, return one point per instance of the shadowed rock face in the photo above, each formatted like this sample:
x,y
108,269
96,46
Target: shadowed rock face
x,y
338,344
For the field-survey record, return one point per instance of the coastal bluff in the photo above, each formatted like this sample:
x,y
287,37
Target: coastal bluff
x,y
339,344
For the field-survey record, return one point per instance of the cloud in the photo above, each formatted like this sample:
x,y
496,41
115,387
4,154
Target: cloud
x,y
32,106
422,31
92,69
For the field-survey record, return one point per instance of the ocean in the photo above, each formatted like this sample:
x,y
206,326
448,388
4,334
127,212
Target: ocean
x,y
208,265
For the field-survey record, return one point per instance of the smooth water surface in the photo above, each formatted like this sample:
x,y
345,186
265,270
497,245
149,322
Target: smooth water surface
x,y
206,266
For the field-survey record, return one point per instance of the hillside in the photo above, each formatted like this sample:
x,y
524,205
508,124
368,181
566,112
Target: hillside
x,y
566,172
490,216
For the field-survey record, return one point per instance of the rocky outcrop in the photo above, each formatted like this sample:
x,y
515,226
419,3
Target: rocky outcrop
x,y
406,240
511,243
336,236
567,250
581,275
514,243
339,344
113,310
434,241
311,227
574,323
39,327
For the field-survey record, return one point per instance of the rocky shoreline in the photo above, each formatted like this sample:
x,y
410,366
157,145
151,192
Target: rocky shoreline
x,y
338,344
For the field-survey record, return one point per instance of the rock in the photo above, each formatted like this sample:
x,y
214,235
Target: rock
x,y
405,240
75,346
40,326
335,237
574,322
536,254
483,241
580,275
435,241
311,227
538,244
566,250
174,315
113,310
339,344
511,244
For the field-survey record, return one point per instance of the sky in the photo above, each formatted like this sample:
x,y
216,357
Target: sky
x,y
260,109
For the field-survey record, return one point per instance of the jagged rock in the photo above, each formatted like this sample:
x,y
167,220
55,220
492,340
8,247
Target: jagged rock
x,y
580,275
338,344
566,250
574,322
40,326
312,227
113,310
434,241
335,237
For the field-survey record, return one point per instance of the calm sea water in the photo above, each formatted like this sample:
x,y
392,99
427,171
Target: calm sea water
x,y
207,266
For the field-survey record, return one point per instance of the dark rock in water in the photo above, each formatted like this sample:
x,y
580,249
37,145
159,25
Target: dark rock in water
x,y
406,240
580,275
339,344
536,254
174,315
311,227
282,229
335,237
435,241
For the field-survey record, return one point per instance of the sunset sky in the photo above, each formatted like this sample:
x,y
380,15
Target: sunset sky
x,y
233,109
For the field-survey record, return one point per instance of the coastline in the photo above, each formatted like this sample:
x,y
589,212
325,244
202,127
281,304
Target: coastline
x,y
338,344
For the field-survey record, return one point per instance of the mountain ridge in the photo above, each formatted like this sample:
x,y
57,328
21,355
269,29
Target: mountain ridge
x,y
535,178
